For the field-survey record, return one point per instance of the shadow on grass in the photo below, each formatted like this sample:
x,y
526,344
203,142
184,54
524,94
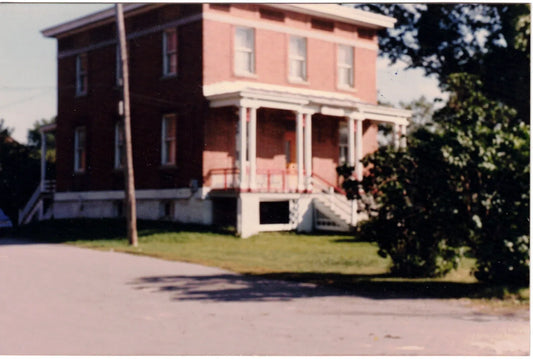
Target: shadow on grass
x,y
66,230
255,287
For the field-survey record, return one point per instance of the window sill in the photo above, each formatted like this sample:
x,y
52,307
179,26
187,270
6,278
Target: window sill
x,y
169,76
168,167
80,95
79,172
245,74
298,81
346,88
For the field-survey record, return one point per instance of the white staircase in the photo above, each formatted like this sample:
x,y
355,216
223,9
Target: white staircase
x,y
333,211
39,205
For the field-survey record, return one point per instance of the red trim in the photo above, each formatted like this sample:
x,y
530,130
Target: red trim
x,y
336,188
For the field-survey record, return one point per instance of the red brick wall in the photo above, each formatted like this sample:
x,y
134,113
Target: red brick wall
x,y
151,96
271,48
205,55
325,147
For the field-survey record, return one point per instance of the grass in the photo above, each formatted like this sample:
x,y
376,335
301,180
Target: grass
x,y
334,260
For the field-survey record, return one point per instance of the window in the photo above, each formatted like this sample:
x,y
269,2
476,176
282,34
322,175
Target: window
x,y
244,51
81,74
119,145
79,149
343,143
277,212
345,66
168,140
298,59
170,52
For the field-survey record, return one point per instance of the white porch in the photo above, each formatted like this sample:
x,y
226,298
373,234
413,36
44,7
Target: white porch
x,y
248,97
312,201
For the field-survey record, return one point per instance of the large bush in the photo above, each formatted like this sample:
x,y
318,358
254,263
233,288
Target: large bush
x,y
463,183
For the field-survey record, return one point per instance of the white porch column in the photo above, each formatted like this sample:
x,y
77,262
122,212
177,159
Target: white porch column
x,y
252,146
242,147
396,135
351,141
299,150
308,153
43,159
403,133
359,148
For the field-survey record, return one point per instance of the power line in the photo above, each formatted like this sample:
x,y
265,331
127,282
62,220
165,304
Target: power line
x,y
25,88
23,100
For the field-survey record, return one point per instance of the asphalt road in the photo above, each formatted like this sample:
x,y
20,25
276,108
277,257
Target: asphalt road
x,y
62,300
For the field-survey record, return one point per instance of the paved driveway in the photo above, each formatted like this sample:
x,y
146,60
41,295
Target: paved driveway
x,y
57,299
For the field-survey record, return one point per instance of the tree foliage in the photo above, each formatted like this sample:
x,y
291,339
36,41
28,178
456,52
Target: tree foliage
x,y
463,183
491,41
19,173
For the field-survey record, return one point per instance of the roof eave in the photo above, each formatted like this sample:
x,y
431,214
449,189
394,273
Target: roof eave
x,y
105,15
342,13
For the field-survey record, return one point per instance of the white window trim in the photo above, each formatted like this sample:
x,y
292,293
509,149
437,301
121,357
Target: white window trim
x,y
118,153
167,54
118,67
343,146
165,158
77,164
342,66
81,86
297,57
238,71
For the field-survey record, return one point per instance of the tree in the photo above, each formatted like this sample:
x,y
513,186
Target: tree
x,y
19,173
465,182
491,41
488,151
422,112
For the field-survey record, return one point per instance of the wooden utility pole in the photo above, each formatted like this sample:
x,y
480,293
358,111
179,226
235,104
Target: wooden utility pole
x,y
124,106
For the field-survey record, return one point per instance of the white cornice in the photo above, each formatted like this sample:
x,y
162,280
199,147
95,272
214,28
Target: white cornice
x,y
255,94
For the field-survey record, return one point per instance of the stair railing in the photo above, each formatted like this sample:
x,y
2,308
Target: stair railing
x,y
336,197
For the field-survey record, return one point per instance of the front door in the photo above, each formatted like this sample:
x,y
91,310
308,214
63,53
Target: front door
x,y
290,148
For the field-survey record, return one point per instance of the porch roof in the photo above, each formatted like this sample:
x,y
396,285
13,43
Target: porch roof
x,y
255,94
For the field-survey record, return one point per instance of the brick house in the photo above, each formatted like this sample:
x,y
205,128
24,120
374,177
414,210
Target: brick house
x,y
240,113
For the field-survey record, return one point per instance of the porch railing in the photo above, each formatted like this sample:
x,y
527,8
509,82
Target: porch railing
x,y
266,180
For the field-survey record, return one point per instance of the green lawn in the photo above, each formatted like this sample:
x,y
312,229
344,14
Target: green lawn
x,y
336,260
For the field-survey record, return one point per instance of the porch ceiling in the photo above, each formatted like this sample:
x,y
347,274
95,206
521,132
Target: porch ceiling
x,y
253,94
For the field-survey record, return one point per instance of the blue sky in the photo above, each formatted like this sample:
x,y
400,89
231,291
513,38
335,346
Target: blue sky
x,y
28,65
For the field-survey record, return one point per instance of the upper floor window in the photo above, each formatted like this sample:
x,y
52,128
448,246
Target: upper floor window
x,y
79,149
170,52
244,50
298,58
81,74
119,145
345,66
168,140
